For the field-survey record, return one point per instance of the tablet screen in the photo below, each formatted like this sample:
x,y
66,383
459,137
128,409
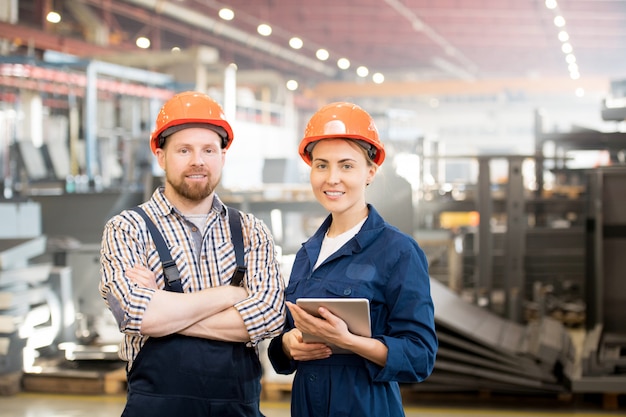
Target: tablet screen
x,y
354,311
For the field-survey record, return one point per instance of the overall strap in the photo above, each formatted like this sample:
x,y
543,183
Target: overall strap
x,y
172,276
234,220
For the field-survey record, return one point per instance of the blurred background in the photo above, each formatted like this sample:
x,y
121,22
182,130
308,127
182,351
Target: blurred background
x,y
505,129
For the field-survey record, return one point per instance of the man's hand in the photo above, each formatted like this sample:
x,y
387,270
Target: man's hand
x,y
142,276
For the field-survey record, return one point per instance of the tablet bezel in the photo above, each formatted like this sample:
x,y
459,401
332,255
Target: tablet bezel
x,y
354,311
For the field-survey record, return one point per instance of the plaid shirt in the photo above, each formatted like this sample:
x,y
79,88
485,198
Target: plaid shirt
x,y
127,242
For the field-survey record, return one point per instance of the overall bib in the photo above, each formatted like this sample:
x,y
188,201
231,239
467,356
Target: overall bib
x,y
186,376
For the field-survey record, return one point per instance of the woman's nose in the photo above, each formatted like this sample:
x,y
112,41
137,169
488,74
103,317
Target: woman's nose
x,y
333,176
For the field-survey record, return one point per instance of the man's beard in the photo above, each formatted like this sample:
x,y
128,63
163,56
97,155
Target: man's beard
x,y
192,192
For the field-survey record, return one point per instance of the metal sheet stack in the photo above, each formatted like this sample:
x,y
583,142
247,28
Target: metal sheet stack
x,y
21,288
481,351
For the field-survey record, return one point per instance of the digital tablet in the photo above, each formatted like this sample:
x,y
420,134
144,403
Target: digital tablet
x,y
354,311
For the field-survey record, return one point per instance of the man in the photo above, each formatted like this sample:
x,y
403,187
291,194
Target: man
x,y
191,353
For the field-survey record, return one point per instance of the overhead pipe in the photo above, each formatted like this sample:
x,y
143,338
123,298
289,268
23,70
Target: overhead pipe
x,y
220,29
421,27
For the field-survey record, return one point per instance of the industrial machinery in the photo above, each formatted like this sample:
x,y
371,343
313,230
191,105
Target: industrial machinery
x,y
522,255
603,364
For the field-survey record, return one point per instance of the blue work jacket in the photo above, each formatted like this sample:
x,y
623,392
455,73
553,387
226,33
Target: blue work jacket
x,y
387,267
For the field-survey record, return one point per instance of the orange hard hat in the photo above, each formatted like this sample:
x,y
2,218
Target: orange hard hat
x,y
193,109
343,120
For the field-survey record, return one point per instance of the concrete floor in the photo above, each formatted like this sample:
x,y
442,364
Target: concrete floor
x,y
28,404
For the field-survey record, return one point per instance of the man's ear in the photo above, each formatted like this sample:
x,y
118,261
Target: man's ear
x,y
160,155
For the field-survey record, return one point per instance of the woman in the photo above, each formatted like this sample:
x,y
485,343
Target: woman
x,y
354,253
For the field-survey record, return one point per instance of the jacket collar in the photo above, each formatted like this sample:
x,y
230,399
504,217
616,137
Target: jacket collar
x,y
372,227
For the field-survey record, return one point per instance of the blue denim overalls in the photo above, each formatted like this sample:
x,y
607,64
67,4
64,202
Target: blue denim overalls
x,y
178,375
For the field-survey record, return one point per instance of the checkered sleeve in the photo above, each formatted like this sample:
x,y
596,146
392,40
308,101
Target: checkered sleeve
x,y
122,247
263,312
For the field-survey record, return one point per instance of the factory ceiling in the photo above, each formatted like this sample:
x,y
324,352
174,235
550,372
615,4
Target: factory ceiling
x,y
407,41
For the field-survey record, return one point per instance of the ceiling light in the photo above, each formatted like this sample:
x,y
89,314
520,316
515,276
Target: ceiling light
x,y
53,17
226,14
551,4
322,54
296,43
378,78
362,71
143,42
559,21
343,63
175,50
292,85
566,46
264,29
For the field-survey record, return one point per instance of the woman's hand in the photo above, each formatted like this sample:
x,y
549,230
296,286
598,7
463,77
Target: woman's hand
x,y
295,348
329,327
142,276
335,331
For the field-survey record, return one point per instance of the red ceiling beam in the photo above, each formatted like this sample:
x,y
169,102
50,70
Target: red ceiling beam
x,y
40,39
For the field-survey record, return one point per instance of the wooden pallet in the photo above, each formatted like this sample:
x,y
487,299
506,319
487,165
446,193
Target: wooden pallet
x,y
275,391
77,381
11,383
115,381
610,400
